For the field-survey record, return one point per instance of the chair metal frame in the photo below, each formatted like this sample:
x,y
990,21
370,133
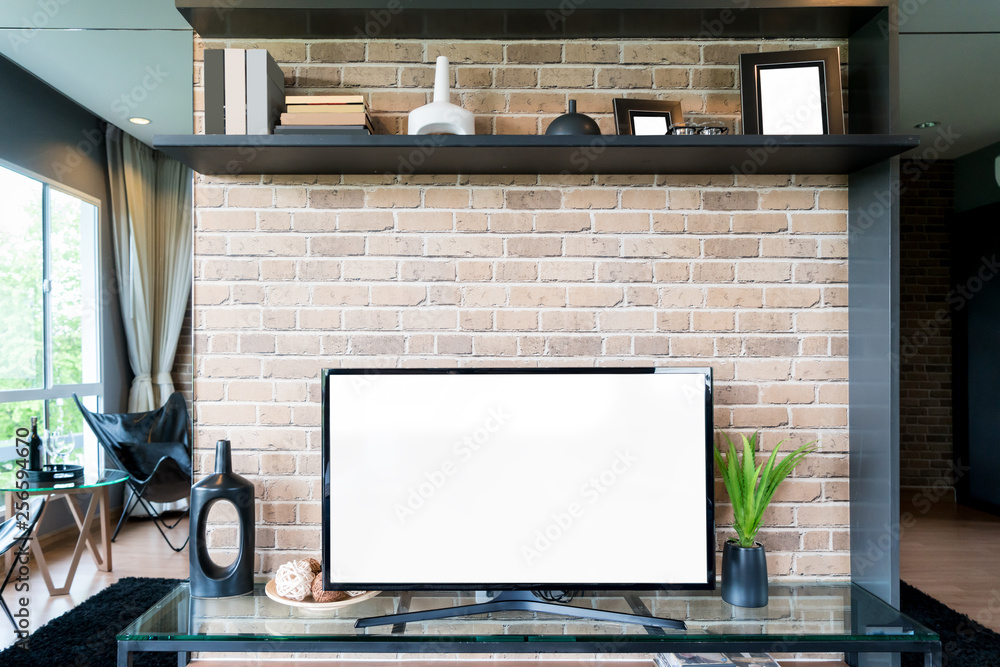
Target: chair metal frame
x,y
157,517
137,486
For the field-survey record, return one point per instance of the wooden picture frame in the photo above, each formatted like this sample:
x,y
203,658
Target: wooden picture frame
x,y
651,114
792,92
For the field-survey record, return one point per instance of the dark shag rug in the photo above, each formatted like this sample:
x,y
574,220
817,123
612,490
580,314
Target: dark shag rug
x,y
964,642
85,635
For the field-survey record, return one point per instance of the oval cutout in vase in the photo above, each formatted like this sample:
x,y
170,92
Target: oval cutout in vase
x,y
221,515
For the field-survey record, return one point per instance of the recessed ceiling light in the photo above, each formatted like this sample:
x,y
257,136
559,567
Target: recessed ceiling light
x,y
138,121
928,125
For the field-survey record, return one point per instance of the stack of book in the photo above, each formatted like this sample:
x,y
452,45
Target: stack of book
x,y
715,660
751,660
690,659
244,91
325,114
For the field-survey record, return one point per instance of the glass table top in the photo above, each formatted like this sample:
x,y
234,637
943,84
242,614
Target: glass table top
x,y
796,612
91,479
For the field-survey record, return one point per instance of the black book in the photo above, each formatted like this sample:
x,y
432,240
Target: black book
x,y
214,77
322,129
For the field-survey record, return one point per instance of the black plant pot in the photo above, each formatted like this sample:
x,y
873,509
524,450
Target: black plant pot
x,y
208,579
744,575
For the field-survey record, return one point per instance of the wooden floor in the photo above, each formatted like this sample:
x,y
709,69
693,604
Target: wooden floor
x,y
952,554
139,551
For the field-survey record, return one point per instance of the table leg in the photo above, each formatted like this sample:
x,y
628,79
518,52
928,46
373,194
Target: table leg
x,y
8,504
94,553
183,658
105,527
36,549
81,541
933,659
124,656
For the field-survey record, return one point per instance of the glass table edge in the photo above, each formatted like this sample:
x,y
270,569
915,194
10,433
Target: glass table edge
x,y
599,642
109,477
922,634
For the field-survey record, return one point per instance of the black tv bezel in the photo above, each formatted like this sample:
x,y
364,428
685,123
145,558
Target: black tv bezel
x,y
562,586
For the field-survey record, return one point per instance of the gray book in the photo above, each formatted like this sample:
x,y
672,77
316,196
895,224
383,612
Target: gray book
x,y
214,79
265,92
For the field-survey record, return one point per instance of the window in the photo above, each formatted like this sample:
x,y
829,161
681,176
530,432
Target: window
x,y
50,317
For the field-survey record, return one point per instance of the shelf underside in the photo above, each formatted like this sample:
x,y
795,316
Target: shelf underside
x,y
525,154
528,19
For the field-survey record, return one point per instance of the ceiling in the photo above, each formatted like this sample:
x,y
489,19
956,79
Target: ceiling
x,y
947,72
122,58
117,58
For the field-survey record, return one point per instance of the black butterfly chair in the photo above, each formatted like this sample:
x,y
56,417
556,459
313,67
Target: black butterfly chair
x,y
15,531
154,448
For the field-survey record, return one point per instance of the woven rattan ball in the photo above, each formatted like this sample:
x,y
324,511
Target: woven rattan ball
x,y
294,580
326,596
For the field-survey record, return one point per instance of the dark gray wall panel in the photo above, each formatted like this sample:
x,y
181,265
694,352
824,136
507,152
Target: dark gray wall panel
x,y
976,177
53,137
873,294
873,287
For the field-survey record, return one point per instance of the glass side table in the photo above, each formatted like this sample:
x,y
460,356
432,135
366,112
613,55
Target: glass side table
x,y
800,617
98,485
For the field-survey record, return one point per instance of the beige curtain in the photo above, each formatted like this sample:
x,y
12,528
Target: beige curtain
x,y
151,214
173,267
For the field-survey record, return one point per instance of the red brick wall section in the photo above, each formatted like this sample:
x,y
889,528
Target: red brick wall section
x,y
925,339
182,371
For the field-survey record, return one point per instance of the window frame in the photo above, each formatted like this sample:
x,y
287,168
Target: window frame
x,y
50,390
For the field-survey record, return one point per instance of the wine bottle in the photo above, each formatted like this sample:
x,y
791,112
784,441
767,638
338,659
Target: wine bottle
x,y
34,447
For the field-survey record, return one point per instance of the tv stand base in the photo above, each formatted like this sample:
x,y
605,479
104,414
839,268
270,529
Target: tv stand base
x,y
520,601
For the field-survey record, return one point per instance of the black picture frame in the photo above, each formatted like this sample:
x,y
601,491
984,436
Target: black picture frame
x,y
627,110
763,114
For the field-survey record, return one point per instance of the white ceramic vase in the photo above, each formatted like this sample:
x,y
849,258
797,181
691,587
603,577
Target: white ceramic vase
x,y
441,116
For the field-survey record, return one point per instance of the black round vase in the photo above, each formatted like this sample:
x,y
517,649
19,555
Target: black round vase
x,y
744,575
209,579
573,123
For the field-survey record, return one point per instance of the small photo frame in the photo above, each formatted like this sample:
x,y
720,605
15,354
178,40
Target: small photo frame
x,y
646,117
792,92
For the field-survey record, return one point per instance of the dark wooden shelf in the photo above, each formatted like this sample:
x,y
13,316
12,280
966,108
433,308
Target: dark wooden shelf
x,y
526,154
528,19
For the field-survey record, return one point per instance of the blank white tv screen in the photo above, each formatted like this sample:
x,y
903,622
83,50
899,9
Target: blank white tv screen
x,y
537,479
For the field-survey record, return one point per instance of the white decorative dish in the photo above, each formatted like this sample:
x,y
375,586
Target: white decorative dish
x,y
309,603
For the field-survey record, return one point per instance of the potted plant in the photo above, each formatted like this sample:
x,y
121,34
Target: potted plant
x,y
750,487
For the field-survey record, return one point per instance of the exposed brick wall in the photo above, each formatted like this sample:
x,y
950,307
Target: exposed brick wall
x,y
926,442
183,370
746,273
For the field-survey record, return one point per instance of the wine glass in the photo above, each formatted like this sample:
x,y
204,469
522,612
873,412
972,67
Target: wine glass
x,y
60,446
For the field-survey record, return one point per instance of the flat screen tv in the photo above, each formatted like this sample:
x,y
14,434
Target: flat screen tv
x,y
518,479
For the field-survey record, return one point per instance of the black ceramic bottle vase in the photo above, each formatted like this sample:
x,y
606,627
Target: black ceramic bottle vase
x,y
208,579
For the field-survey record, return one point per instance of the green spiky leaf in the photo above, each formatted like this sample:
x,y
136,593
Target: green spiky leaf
x,y
751,486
